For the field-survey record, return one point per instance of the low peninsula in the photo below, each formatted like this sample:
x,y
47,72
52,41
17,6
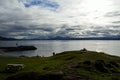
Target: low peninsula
x,y
17,48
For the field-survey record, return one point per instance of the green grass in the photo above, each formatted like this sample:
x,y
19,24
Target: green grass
x,y
71,63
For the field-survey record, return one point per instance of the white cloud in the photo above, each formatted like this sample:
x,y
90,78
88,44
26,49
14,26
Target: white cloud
x,y
79,18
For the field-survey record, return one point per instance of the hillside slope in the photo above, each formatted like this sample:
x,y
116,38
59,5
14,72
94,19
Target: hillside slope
x,y
69,65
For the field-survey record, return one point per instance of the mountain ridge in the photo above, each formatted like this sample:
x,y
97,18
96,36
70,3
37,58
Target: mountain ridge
x,y
66,38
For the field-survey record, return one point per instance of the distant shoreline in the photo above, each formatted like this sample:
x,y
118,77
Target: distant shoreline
x,y
61,39
64,38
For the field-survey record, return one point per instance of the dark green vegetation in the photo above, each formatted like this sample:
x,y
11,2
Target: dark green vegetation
x,y
70,65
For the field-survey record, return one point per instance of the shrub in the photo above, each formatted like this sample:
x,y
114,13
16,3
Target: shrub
x,y
100,65
35,76
114,63
87,62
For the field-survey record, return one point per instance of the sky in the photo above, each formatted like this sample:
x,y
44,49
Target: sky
x,y
45,19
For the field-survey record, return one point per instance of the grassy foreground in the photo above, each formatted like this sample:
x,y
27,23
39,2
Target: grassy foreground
x,y
69,65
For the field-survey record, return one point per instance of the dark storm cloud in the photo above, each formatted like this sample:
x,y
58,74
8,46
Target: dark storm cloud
x,y
101,33
116,22
25,31
113,14
46,31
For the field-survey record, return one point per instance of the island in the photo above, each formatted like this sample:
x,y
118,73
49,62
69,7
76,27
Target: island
x,y
17,48
69,65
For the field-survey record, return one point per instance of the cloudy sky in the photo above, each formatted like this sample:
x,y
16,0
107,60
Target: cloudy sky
x,y
64,18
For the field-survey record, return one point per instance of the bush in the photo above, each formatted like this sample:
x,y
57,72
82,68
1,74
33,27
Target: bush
x,y
114,64
35,76
87,62
109,65
100,65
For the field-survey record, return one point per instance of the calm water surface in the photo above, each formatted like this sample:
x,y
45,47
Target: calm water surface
x,y
47,47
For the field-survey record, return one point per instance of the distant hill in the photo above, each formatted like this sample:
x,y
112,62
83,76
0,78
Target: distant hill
x,y
91,38
87,38
4,38
67,38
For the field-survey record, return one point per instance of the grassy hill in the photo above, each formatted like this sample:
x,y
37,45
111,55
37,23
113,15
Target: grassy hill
x,y
69,65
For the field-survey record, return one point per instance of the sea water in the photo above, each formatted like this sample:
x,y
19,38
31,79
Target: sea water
x,y
47,47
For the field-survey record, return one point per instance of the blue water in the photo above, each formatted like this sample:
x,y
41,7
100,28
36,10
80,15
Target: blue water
x,y
47,47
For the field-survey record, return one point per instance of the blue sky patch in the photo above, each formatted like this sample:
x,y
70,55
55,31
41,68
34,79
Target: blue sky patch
x,y
42,3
